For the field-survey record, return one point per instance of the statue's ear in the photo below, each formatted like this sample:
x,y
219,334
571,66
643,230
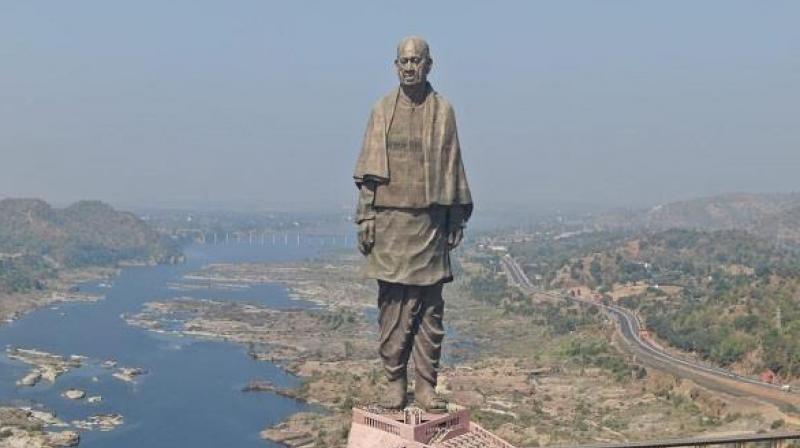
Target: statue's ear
x,y
430,66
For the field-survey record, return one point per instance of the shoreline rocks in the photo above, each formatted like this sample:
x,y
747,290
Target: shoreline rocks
x,y
31,379
24,427
128,374
288,437
63,438
260,385
101,422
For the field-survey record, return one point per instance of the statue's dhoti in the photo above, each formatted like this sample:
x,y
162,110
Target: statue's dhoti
x,y
410,316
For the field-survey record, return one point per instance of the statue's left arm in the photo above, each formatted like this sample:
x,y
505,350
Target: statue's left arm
x,y
461,206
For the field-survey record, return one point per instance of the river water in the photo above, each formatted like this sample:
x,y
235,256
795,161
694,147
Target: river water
x,y
191,395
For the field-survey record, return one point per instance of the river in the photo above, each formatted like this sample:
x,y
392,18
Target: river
x,y
191,395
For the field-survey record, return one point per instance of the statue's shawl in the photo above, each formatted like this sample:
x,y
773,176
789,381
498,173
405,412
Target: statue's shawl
x,y
445,179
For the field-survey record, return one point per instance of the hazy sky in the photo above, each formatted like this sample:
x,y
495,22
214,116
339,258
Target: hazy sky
x,y
263,104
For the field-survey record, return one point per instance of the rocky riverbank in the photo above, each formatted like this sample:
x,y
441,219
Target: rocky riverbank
x,y
295,339
331,282
61,289
287,337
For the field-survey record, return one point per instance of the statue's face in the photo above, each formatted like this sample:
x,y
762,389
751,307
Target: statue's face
x,y
413,63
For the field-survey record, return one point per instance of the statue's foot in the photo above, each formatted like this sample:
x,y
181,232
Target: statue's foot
x,y
427,398
394,396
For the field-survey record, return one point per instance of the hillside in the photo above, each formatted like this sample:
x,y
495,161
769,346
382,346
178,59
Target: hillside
x,y
767,215
783,226
37,240
728,296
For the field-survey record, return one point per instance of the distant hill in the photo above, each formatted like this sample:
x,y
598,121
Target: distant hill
x,y
728,211
765,215
783,226
85,233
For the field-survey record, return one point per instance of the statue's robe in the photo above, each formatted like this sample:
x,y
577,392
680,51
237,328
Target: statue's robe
x,y
413,184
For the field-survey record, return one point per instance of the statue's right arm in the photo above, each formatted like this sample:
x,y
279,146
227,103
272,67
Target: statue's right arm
x,y
365,216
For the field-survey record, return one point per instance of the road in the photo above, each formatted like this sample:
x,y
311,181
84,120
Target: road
x,y
629,327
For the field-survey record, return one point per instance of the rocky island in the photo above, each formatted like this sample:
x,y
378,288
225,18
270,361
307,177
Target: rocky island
x,y
128,374
74,394
47,366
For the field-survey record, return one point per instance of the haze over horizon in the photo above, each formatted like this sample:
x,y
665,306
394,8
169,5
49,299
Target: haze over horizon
x,y
262,105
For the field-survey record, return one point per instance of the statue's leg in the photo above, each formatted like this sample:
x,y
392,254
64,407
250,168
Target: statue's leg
x,y
397,311
428,347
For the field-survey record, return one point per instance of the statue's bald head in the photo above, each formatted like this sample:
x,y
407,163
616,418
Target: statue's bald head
x,y
413,61
414,43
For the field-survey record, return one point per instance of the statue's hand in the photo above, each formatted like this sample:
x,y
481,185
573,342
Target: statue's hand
x,y
455,237
366,236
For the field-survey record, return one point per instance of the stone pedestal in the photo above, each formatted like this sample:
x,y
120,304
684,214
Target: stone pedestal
x,y
373,427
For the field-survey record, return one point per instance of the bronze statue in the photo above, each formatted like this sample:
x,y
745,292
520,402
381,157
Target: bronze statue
x,y
413,203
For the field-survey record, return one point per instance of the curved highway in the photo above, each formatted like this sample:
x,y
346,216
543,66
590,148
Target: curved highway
x,y
629,327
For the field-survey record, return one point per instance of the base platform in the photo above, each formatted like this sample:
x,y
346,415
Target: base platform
x,y
374,427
